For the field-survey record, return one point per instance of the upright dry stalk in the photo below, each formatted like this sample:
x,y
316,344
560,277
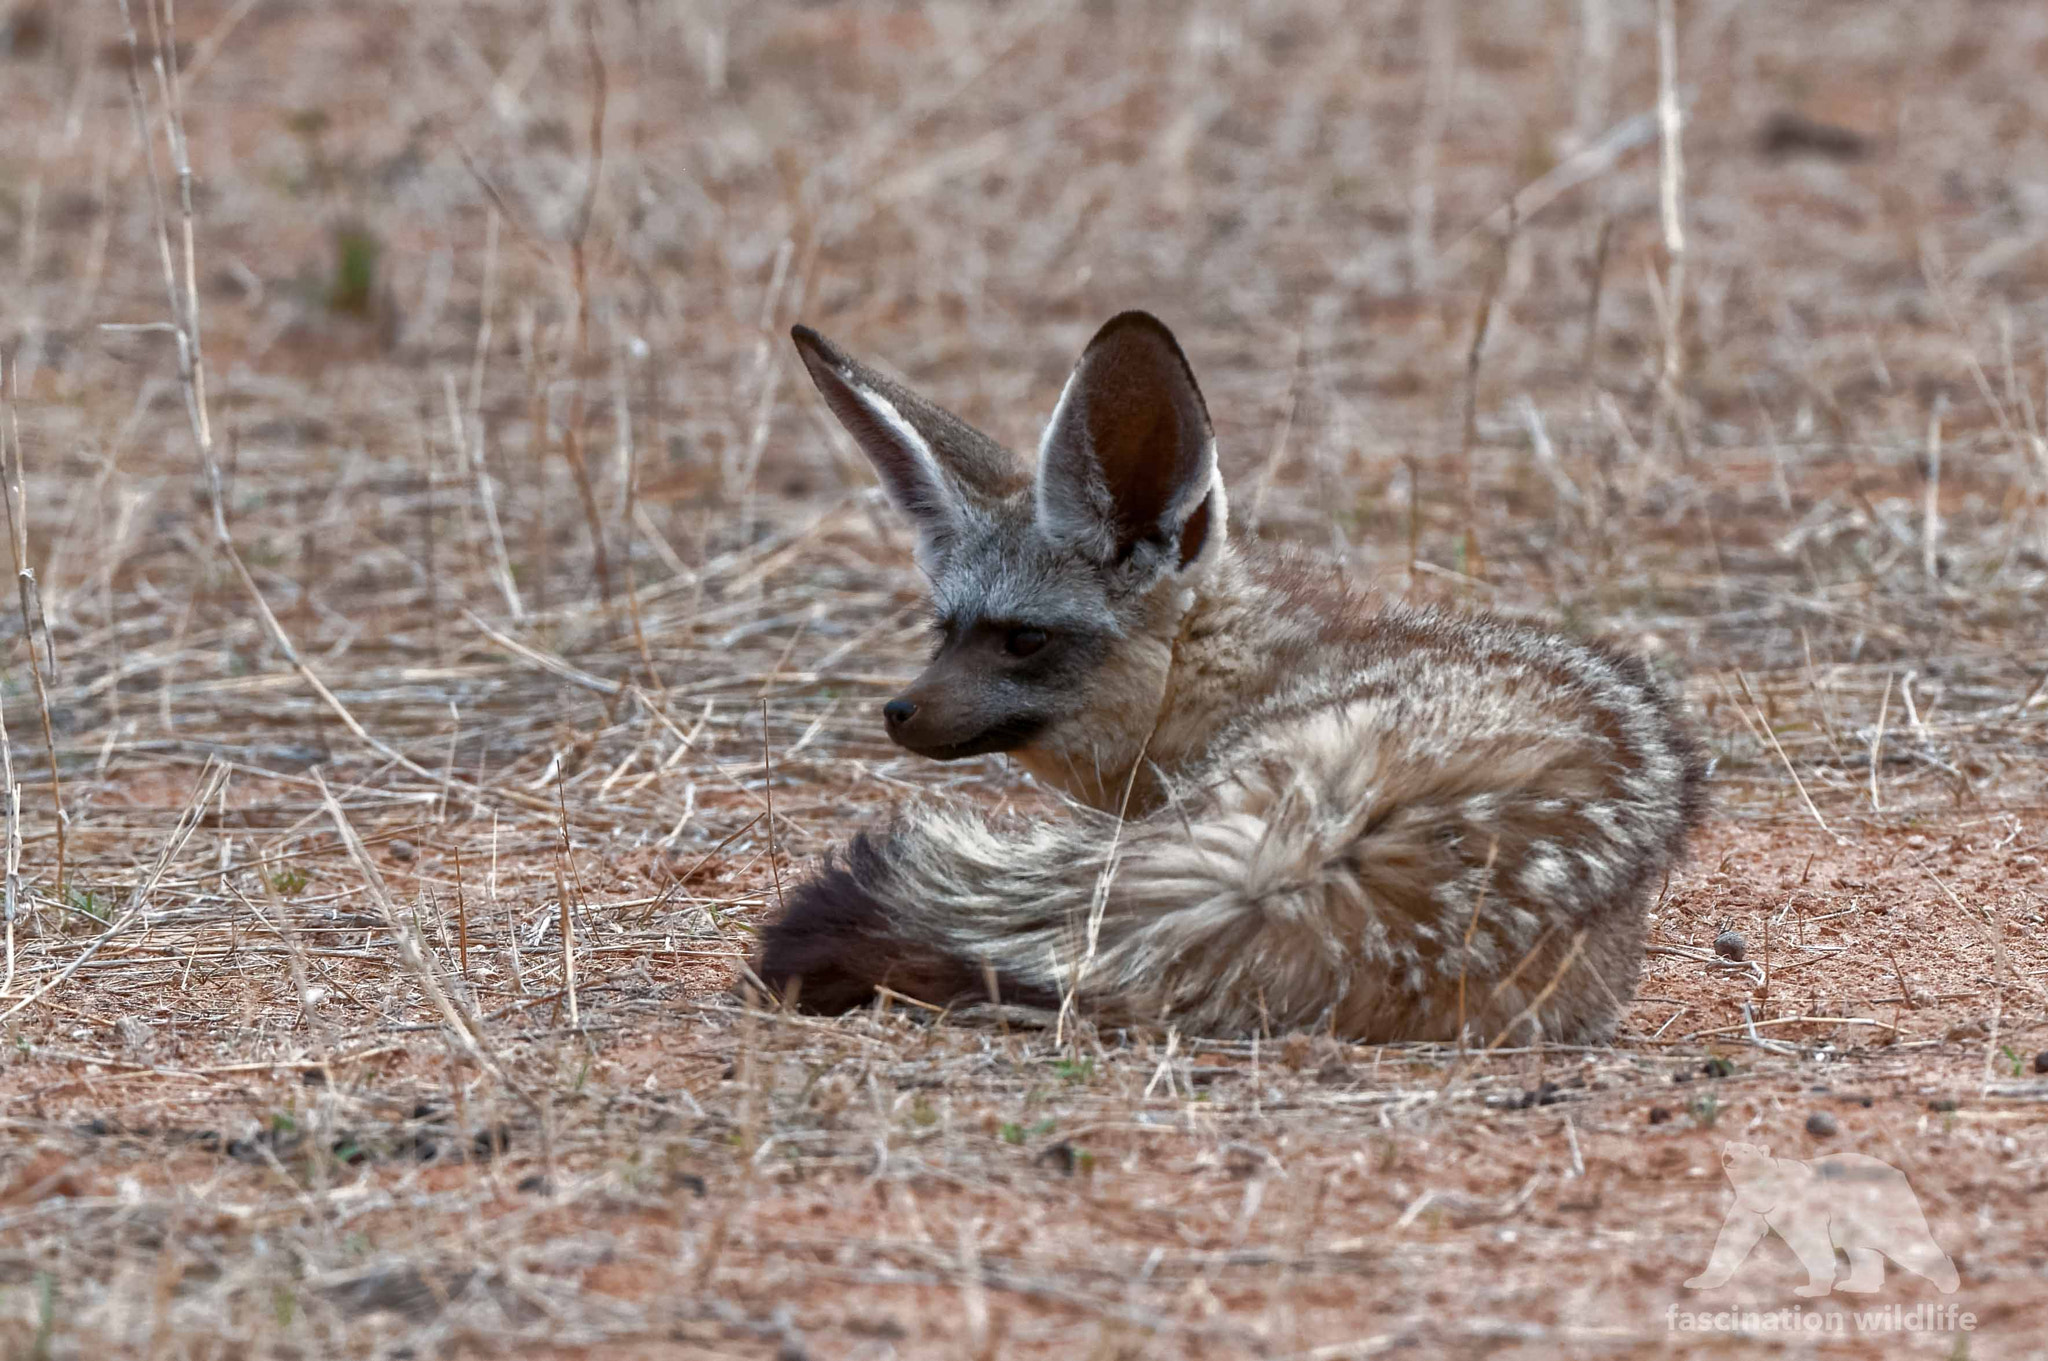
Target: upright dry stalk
x,y
31,610
1098,907
744,464
430,539
1299,369
461,918
1671,195
1414,515
540,419
768,796
1671,177
12,793
567,918
470,442
1469,431
1596,60
629,458
566,930
1598,284
295,952
579,275
1930,510
511,917
1439,37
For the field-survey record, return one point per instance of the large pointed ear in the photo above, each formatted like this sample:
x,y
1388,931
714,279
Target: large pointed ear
x,y
930,461
1127,467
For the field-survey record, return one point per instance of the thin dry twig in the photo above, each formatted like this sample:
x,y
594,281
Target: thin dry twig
x,y
579,275
31,610
1930,515
1771,736
12,793
1671,215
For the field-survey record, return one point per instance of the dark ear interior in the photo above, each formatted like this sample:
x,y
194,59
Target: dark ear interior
x,y
1130,455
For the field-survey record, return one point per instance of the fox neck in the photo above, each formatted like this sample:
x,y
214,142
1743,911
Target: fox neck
x,y
1178,679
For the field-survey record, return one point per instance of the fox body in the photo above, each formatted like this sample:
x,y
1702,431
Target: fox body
x,y
1299,805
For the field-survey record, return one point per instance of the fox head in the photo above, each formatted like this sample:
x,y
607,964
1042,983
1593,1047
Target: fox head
x,y
1056,591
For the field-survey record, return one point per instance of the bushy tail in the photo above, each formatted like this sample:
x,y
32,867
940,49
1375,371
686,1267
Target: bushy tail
x,y
842,935
1387,898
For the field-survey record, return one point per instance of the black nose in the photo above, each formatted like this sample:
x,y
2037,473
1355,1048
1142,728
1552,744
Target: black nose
x,y
897,712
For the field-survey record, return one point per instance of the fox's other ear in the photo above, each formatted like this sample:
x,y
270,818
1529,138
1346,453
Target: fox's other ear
x,y
1127,467
925,455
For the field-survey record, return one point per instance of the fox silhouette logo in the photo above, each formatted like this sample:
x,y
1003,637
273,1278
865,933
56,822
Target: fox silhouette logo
x,y
1862,1206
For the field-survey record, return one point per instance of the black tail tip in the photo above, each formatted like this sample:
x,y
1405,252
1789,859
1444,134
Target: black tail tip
x,y
830,948
835,943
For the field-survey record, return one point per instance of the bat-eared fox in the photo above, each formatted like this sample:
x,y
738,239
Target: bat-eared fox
x,y
1300,806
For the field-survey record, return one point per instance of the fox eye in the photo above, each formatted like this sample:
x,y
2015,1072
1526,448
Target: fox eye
x,y
1024,642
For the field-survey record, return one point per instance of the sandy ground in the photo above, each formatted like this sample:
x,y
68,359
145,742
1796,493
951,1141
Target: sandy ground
x,y
383,1005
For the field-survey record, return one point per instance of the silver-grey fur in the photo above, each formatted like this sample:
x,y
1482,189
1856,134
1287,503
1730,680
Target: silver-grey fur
x,y
1313,807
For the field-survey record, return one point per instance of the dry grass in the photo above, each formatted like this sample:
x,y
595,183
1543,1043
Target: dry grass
x,y
416,675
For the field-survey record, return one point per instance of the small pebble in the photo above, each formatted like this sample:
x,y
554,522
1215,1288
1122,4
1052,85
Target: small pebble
x,y
1821,1125
401,849
1731,945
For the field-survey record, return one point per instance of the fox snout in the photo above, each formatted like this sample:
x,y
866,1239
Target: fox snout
x,y
928,728
949,713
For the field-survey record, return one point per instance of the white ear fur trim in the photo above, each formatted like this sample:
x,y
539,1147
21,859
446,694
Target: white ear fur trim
x,y
1058,517
1219,526
886,412
936,506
